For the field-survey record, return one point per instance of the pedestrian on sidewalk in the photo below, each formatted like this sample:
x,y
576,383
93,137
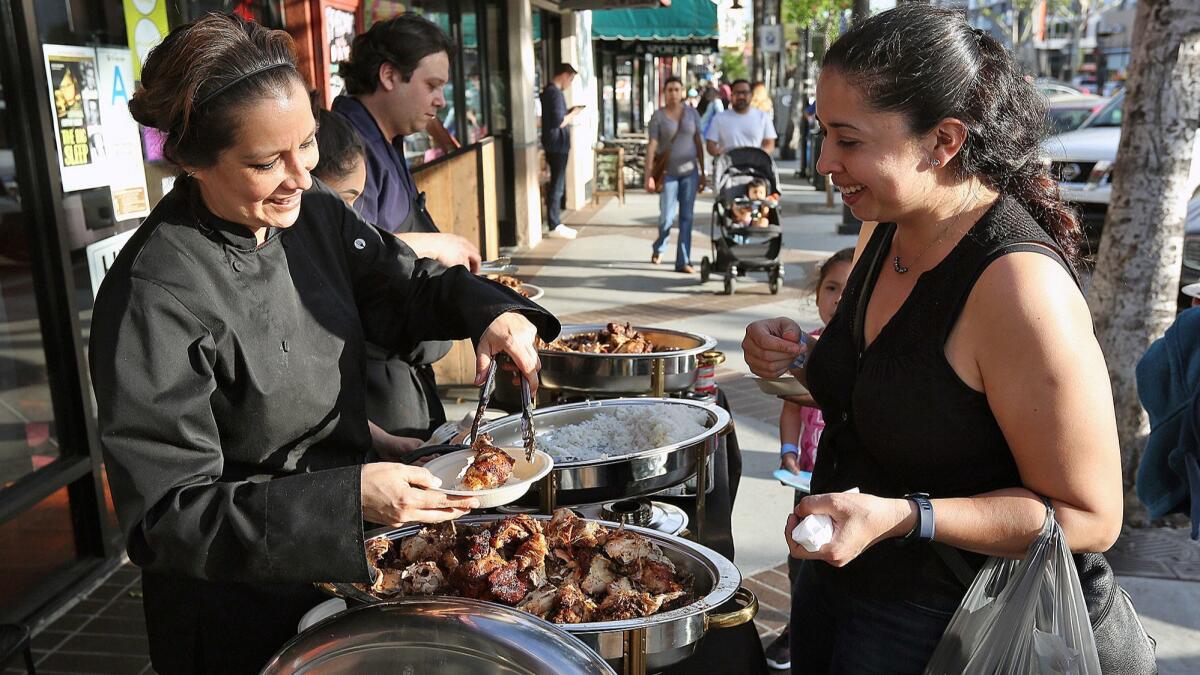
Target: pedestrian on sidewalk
x,y
556,143
710,105
677,155
227,356
740,126
961,382
801,424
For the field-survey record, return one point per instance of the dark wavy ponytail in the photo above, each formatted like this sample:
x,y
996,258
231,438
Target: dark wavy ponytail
x,y
928,64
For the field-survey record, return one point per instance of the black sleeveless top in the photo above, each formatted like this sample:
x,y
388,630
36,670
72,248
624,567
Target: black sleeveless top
x,y
898,419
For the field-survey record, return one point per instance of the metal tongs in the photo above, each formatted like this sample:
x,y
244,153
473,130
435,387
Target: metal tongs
x,y
485,395
527,431
498,266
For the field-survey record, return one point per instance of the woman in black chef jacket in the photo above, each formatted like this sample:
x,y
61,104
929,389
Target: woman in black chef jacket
x,y
227,357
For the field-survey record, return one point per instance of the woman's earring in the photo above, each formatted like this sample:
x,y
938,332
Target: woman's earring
x,y
935,163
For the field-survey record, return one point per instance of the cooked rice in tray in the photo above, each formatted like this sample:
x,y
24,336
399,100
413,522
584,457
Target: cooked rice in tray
x,y
621,430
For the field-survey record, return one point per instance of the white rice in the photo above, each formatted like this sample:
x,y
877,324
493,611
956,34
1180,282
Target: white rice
x,y
623,430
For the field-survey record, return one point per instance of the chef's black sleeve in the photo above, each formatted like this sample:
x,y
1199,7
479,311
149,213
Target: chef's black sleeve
x,y
403,300
152,365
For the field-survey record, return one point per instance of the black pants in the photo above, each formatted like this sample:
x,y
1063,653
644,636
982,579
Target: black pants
x,y
557,188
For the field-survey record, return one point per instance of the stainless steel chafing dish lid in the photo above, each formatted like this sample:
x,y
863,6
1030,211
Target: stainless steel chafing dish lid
x,y
448,636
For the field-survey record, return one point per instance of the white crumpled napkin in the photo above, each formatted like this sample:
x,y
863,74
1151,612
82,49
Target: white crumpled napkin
x,y
815,530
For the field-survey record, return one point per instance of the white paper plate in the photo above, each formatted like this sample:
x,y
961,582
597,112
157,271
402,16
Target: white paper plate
x,y
779,386
450,467
534,292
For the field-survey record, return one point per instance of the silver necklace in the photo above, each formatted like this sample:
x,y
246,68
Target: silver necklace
x,y
901,269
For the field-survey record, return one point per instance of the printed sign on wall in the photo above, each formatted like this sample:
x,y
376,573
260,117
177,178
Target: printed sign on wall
x,y
126,174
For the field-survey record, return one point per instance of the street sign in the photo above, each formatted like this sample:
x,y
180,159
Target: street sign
x,y
770,39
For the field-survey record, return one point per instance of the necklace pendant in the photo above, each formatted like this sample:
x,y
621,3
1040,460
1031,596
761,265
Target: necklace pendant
x,y
900,269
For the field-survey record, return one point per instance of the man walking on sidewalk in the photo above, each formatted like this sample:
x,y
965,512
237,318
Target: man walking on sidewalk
x,y
556,141
741,126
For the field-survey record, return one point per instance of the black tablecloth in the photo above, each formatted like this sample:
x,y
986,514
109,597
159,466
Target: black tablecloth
x,y
732,650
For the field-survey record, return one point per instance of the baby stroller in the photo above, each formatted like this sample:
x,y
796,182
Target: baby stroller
x,y
739,249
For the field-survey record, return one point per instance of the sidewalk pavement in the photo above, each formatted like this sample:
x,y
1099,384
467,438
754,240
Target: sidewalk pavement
x,y
606,275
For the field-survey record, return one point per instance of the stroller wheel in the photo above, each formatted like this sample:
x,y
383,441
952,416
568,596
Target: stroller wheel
x,y
773,281
705,270
730,282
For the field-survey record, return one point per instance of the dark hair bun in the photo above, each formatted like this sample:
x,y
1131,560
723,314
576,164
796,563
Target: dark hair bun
x,y
221,60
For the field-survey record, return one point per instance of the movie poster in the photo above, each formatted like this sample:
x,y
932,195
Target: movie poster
x,y
75,101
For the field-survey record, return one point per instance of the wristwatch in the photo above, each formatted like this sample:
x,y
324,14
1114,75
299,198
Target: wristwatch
x,y
923,529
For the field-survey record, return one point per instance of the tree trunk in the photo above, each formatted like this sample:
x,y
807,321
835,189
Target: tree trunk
x,y
859,11
1137,273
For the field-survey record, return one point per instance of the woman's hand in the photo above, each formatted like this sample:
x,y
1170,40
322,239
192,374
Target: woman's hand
x,y
859,522
771,345
703,180
649,183
444,247
516,336
394,494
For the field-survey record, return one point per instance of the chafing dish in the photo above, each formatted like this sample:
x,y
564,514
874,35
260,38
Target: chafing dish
x,y
656,373
649,643
448,636
619,477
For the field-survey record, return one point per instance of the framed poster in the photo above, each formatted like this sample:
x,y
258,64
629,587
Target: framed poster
x,y
75,104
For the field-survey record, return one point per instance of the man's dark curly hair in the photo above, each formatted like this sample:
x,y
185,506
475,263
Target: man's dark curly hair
x,y
401,41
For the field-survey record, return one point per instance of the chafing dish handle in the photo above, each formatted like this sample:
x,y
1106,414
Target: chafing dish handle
x,y
737,617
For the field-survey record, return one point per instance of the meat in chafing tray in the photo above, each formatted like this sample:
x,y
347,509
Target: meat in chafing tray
x,y
571,570
614,338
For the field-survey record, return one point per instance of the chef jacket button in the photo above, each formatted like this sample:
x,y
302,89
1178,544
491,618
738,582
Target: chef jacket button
x,y
845,416
360,244
237,265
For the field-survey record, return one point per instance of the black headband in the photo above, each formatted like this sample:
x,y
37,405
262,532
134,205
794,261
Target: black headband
x,y
237,80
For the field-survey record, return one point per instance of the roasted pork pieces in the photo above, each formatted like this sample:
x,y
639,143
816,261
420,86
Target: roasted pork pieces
x,y
614,338
567,570
492,466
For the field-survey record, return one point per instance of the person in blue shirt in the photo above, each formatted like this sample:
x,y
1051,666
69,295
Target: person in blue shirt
x,y
556,142
394,81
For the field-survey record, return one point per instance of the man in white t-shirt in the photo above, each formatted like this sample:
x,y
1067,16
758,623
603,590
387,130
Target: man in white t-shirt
x,y
741,126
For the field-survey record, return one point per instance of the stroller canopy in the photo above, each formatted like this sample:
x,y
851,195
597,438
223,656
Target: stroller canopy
x,y
742,162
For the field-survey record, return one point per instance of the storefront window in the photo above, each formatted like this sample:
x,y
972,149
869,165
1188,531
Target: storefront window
x,y
28,439
35,545
497,69
472,66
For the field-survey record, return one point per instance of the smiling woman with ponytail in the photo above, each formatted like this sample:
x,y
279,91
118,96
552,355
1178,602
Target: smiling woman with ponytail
x,y
960,379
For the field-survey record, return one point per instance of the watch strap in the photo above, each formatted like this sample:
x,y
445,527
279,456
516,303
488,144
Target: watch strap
x,y
923,530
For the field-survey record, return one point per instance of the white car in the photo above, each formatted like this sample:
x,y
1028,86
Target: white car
x,y
1082,162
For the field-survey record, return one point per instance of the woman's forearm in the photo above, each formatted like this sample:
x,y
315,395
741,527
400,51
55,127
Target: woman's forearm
x,y
1005,522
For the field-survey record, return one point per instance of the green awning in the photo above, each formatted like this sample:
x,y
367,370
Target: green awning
x,y
684,20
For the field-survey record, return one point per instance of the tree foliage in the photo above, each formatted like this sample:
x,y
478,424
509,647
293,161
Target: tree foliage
x,y
733,65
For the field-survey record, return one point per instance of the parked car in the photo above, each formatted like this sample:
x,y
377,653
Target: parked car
x,y
1068,113
1190,273
1052,88
1082,162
